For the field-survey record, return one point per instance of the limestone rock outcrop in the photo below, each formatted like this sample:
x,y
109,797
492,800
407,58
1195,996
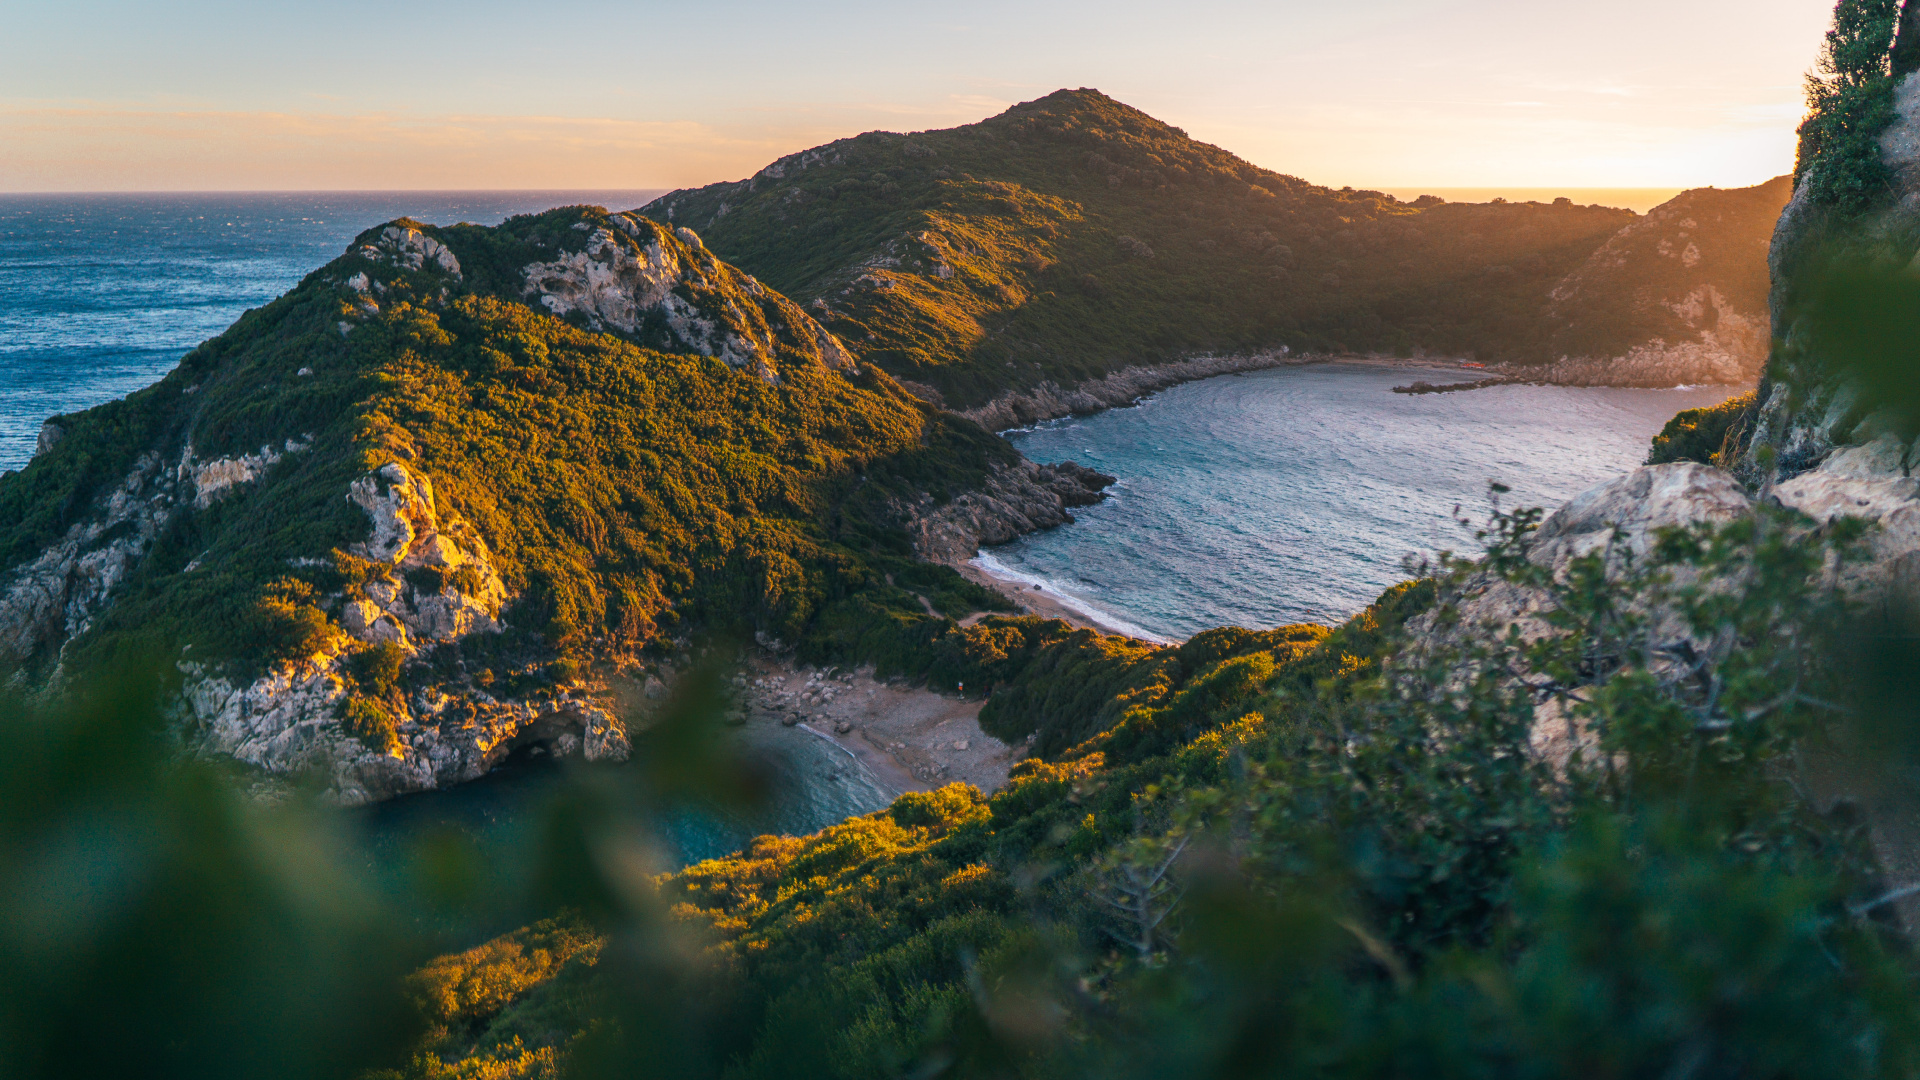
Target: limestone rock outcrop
x,y
435,584
287,723
1017,500
406,247
409,535
1621,519
1803,414
1676,297
661,286
49,600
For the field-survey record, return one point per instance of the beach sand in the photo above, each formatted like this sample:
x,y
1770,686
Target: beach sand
x,y
911,739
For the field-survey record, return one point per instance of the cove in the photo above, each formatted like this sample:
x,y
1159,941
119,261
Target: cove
x,y
1293,494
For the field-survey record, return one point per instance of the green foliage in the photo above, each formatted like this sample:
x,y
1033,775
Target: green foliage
x,y
377,669
1343,856
1072,236
1699,434
164,922
626,495
1361,866
1856,327
371,722
1849,102
467,997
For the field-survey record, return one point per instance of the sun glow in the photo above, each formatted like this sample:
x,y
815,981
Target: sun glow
x,y
104,95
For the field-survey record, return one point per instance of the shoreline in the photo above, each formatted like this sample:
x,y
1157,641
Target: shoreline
x,y
909,738
1019,409
1048,604
1119,389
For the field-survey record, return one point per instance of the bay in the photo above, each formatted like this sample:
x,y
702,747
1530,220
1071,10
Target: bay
x,y
1294,494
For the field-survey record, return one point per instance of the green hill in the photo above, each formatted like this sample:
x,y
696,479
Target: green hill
x,y
418,497
1679,296
1072,236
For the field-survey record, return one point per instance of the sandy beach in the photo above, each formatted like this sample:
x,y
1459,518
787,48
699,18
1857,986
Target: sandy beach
x,y
912,739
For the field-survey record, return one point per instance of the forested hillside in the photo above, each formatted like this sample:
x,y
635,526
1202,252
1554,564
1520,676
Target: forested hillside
x,y
387,524
1072,236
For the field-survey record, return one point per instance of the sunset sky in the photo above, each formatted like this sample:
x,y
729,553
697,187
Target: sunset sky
x,y
100,95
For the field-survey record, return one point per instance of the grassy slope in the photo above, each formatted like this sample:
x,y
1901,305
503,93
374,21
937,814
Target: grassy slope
x,y
622,490
868,921
1083,236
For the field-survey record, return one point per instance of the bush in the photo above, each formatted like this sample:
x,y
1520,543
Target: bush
x,y
372,723
1699,434
1849,103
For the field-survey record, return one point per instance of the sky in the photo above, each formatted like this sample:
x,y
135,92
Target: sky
x,y
210,95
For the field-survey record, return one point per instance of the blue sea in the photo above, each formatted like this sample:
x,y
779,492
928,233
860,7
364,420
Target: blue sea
x,y
101,295
1294,494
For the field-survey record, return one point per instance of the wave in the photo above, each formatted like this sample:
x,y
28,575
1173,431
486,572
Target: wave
x,y
1093,612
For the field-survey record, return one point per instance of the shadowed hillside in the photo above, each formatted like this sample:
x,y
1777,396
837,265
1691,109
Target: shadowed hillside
x,y
1072,236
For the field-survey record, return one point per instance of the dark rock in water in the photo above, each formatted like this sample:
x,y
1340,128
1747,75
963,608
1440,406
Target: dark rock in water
x,y
1447,388
1076,484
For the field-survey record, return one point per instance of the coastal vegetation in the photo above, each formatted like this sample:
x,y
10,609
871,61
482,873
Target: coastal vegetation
x,y
1356,868
1332,853
626,495
1850,101
1073,236
1608,808
1699,434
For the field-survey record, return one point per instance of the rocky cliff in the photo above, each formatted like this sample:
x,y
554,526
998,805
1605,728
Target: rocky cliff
x,y
1678,296
1825,390
1017,499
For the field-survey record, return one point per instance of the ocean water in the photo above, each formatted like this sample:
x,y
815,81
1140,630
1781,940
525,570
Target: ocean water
x,y
1293,494
101,295
807,782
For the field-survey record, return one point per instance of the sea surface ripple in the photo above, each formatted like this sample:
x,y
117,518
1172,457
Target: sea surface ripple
x,y
101,295
1294,494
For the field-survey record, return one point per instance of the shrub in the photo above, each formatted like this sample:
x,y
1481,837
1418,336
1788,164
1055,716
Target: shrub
x,y
1698,434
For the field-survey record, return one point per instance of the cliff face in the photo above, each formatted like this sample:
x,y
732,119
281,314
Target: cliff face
x,y
416,512
1679,296
1810,403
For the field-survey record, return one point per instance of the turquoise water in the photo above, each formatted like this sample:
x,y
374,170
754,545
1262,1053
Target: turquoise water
x,y
101,295
804,781
1293,494
804,784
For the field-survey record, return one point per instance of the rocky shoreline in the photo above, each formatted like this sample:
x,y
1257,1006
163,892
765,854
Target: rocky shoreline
x,y
1016,500
1654,366
1049,401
